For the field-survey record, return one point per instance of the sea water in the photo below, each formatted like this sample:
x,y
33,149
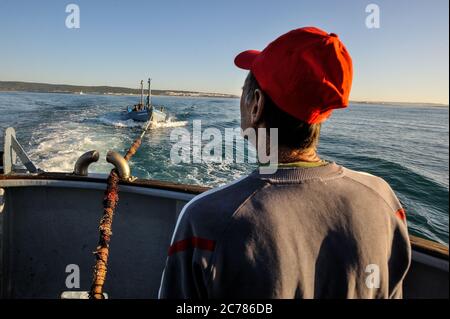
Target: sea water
x,y
407,145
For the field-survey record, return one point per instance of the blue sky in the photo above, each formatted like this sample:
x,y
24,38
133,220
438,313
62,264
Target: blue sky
x,y
190,45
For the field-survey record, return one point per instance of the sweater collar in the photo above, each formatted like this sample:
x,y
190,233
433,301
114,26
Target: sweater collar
x,y
299,174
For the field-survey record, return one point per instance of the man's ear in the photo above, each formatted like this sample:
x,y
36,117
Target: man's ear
x,y
257,108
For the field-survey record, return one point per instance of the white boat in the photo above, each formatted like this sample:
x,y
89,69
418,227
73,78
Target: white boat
x,y
49,221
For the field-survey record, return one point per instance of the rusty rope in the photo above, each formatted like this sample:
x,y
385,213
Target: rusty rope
x,y
110,200
102,251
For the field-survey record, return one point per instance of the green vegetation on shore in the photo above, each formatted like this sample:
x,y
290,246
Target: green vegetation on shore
x,y
111,90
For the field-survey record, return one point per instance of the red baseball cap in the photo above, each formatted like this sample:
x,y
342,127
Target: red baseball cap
x,y
307,73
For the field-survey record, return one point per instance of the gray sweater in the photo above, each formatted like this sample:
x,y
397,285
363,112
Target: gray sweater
x,y
322,232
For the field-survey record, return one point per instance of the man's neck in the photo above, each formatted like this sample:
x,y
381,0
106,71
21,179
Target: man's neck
x,y
288,155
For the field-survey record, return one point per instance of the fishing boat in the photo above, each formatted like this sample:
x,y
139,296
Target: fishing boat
x,y
49,225
143,112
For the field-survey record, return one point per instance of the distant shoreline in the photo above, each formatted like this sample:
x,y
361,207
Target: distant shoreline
x,y
32,87
401,103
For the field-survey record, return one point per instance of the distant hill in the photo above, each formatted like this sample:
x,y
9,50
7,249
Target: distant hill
x,y
406,104
111,90
117,90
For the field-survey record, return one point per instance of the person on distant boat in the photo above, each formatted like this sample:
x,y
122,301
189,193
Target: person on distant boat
x,y
137,107
312,229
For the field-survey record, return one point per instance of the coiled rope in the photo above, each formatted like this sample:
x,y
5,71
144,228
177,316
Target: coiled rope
x,y
110,200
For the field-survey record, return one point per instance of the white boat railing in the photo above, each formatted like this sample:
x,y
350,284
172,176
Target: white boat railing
x,y
12,151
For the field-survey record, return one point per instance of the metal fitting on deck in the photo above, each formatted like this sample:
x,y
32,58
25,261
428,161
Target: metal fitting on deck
x,y
83,162
2,199
121,165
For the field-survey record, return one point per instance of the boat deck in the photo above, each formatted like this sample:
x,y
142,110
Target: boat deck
x,y
50,221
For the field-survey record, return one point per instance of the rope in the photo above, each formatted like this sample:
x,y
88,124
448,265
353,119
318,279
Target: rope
x,y
110,200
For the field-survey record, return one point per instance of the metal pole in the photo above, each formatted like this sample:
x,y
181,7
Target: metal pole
x,y
142,92
149,92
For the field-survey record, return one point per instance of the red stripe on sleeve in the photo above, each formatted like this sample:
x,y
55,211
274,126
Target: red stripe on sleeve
x,y
401,213
193,242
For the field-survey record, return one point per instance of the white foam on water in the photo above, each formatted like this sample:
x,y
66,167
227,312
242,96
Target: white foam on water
x,y
56,147
167,124
117,122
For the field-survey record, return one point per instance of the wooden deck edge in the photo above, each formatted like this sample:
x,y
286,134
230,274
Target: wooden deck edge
x,y
429,247
191,189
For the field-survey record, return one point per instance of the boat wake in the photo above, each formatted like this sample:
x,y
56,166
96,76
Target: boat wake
x,y
168,123
56,146
119,120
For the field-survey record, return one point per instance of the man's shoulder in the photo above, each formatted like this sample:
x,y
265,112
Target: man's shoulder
x,y
367,179
375,184
220,203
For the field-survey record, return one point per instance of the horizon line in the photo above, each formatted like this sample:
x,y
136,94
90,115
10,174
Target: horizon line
x,y
359,100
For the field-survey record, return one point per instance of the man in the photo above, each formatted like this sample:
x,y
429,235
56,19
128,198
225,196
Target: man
x,y
312,229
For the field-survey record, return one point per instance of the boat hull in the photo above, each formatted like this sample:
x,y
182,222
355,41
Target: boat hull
x,y
50,221
144,115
